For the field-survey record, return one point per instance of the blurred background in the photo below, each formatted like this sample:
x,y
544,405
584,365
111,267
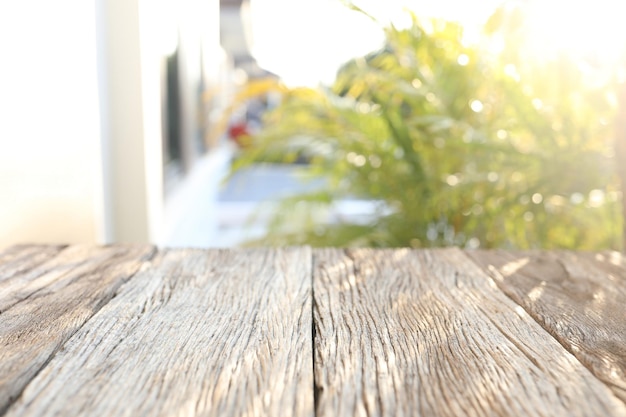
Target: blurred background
x,y
210,123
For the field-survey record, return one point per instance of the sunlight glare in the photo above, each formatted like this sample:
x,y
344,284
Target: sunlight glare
x,y
306,41
512,267
580,29
537,291
310,40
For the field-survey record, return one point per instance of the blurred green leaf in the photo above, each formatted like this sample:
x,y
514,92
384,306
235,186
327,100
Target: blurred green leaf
x,y
461,145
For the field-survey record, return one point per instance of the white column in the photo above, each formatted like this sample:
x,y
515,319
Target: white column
x,y
131,118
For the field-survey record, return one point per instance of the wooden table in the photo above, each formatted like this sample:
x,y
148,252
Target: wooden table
x,y
136,331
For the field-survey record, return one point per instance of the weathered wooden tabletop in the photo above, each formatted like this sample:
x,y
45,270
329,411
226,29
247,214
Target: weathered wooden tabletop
x,y
136,331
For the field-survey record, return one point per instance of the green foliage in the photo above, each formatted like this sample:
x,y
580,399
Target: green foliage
x,y
462,145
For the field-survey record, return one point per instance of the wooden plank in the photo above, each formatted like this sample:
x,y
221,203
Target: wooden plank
x,y
218,332
67,265
43,307
19,259
578,297
427,333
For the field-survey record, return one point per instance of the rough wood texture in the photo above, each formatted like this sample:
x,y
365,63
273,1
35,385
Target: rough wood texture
x,y
428,333
216,332
22,258
580,298
42,307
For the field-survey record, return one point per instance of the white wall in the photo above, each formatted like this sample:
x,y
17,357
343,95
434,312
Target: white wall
x,y
80,116
76,165
49,123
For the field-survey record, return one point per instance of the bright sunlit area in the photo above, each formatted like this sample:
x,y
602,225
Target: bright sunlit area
x,y
305,41
588,29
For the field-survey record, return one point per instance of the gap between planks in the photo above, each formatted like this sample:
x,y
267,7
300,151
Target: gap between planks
x,y
313,334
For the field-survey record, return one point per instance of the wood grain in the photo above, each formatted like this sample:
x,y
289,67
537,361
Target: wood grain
x,y
19,259
218,332
580,298
42,307
401,332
